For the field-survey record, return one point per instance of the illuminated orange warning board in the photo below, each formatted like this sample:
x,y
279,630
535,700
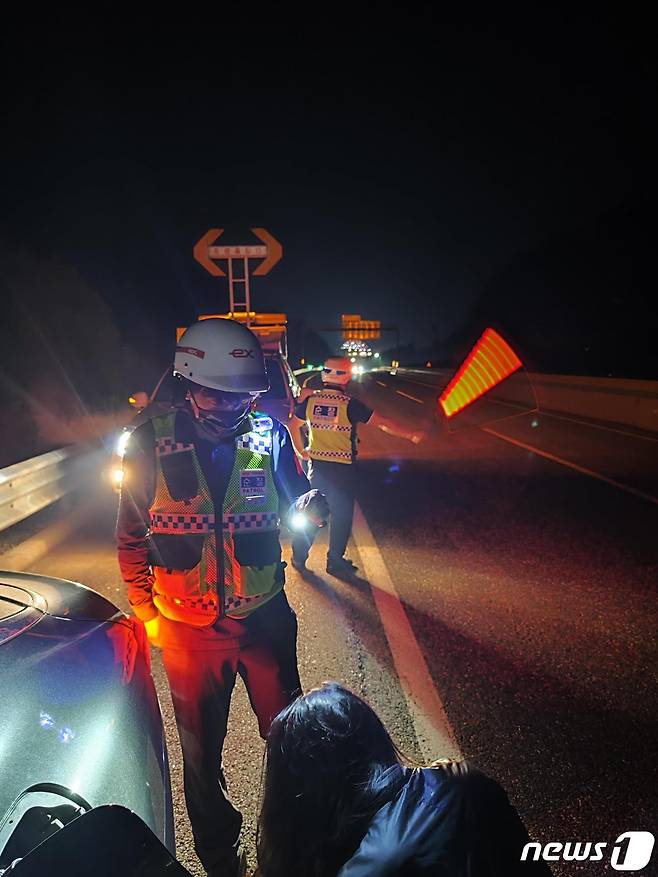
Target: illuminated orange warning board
x,y
488,364
354,328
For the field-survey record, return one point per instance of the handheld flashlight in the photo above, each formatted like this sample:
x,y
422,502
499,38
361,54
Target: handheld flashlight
x,y
302,520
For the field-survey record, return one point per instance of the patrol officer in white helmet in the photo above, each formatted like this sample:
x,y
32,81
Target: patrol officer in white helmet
x,y
198,542
332,417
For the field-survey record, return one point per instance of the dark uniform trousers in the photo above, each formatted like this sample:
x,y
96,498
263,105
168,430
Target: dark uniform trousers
x,y
337,482
201,683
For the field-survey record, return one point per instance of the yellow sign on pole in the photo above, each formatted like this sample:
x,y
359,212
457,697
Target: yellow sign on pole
x,y
357,329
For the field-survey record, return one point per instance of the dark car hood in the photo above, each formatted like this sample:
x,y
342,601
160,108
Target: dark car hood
x,y
56,596
78,704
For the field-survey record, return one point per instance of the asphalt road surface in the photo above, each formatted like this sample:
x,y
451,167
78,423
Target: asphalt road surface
x,y
506,611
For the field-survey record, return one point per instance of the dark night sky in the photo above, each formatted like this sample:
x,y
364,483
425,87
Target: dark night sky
x,y
402,159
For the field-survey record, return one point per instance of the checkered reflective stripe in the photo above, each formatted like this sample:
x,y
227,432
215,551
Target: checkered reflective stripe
x,y
259,443
231,604
331,426
167,445
342,455
206,603
330,395
177,523
250,521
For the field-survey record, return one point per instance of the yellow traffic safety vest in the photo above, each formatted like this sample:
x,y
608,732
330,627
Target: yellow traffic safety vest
x,y
184,524
330,430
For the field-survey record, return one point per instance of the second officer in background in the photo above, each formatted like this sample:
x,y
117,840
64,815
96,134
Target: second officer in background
x,y
332,417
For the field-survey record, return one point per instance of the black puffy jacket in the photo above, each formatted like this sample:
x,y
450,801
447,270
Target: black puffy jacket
x,y
445,823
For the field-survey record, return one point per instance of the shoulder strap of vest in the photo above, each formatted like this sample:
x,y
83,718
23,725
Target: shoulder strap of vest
x,y
164,425
175,459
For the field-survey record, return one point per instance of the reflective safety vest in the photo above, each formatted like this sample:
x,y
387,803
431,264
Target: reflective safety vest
x,y
330,430
184,526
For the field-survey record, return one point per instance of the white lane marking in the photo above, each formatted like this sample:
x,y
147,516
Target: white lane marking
x,y
647,438
407,396
434,733
381,384
581,469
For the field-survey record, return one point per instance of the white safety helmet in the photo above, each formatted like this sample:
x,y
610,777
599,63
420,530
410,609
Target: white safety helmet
x,y
222,355
337,370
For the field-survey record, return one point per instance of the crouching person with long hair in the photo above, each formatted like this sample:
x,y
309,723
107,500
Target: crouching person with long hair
x,y
339,801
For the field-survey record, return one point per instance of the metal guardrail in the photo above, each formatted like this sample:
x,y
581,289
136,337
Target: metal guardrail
x,y
30,486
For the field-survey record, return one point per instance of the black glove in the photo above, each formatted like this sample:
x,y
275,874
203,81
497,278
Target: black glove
x,y
315,506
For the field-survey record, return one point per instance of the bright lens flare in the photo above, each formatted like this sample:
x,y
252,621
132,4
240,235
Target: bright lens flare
x,y
298,521
488,364
117,477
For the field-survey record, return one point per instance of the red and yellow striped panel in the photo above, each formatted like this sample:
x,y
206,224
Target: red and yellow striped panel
x,y
490,361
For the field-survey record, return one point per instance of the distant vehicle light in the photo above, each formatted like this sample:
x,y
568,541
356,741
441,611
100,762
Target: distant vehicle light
x,y
376,355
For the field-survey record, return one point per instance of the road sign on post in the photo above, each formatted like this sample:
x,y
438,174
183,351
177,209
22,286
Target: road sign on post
x,y
357,329
206,251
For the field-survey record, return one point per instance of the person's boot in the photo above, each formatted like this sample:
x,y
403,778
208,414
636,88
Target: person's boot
x,y
299,564
341,567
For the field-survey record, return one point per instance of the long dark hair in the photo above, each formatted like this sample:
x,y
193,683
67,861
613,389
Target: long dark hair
x,y
330,765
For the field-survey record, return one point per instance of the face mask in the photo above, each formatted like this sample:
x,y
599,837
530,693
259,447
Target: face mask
x,y
220,414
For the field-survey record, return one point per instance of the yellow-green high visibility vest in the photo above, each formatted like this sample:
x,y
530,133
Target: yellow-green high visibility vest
x,y
184,524
330,430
